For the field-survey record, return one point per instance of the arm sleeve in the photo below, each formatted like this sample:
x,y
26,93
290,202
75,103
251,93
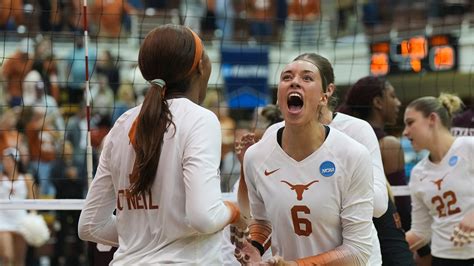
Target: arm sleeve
x,y
97,223
257,206
420,217
205,209
357,210
342,255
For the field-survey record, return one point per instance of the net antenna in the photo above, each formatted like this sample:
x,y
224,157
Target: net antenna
x,y
88,97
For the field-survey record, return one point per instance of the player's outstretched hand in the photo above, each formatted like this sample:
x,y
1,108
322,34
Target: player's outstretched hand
x,y
243,144
464,232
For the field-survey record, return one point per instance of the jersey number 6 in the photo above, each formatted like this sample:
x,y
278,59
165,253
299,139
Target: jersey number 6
x,y
302,226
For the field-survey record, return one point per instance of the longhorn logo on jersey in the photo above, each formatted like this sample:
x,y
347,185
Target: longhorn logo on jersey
x,y
299,189
438,182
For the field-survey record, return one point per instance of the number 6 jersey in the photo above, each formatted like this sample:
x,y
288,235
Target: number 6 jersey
x,y
441,195
317,204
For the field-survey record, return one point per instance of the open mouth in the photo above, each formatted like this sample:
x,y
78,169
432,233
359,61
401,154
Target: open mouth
x,y
295,102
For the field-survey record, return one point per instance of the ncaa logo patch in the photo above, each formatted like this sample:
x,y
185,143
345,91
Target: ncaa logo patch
x,y
327,168
453,160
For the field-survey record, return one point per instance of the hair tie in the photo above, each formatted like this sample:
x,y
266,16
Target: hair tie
x,y
158,82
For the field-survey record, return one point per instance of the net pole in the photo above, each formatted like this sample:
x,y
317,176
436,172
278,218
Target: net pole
x,y
88,97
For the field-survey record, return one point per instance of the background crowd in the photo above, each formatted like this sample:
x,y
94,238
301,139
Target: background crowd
x,y
43,113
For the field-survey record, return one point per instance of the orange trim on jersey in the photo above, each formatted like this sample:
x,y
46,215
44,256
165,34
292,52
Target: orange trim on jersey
x,y
197,51
260,232
243,195
235,212
339,256
133,131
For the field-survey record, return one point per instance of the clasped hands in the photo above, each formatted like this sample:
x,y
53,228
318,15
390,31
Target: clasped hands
x,y
249,255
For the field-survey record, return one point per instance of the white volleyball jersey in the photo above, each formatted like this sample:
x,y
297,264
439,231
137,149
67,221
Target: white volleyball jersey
x,y
180,220
316,204
441,195
362,132
17,190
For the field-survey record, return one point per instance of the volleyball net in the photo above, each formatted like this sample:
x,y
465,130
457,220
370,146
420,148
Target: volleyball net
x,y
422,49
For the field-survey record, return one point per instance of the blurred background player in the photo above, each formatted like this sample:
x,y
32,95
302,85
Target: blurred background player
x,y
374,100
441,184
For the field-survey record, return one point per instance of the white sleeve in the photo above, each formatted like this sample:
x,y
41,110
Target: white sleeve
x,y
257,207
380,181
421,219
357,209
205,210
97,223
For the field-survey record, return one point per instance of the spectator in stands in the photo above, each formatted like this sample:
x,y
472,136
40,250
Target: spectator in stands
x,y
11,10
102,97
10,136
191,12
101,128
73,11
69,184
48,67
42,139
76,133
370,11
158,4
15,184
43,100
109,14
15,68
281,15
345,9
225,18
441,185
261,16
76,70
50,16
208,22
125,100
108,65
303,22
